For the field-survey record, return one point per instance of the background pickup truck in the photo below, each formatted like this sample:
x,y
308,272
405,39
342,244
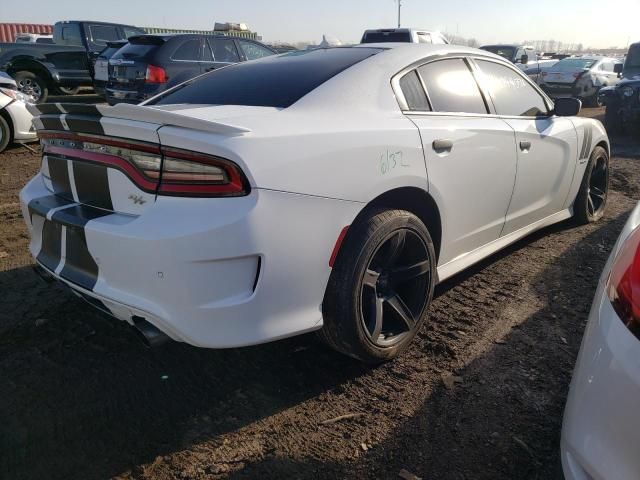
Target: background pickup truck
x,y
67,63
524,57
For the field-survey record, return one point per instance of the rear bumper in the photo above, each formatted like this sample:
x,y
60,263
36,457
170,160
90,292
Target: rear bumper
x,y
213,273
557,90
128,94
601,426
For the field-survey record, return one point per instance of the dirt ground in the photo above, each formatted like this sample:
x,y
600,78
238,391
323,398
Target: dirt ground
x,y
479,395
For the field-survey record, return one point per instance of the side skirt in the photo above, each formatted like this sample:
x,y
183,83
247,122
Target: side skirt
x,y
466,260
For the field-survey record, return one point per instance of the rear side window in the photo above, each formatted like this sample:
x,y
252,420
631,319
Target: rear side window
x,y
451,87
277,81
253,51
413,92
101,34
511,94
188,51
71,35
224,50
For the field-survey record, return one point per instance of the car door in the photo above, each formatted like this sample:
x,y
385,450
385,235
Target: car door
x,y
224,52
546,145
470,155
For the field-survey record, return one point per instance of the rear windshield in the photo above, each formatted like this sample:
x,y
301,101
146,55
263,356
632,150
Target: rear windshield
x,y
133,50
573,64
386,37
504,52
277,81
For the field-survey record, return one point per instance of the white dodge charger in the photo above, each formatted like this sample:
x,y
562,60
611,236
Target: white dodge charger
x,y
320,190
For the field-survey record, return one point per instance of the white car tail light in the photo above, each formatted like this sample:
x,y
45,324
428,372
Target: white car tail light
x,y
154,169
623,285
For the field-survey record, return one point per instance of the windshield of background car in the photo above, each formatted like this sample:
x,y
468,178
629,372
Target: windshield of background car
x,y
277,81
504,52
386,37
633,57
573,64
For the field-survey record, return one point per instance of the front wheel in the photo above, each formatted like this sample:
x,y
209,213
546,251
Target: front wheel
x,y
612,118
32,86
69,90
594,189
5,134
381,286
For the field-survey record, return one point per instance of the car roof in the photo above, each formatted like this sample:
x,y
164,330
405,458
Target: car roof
x,y
373,74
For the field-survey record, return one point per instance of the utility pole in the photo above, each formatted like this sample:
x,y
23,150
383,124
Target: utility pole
x,y
399,7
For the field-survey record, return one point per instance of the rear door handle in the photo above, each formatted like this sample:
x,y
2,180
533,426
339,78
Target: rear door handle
x,y
525,146
442,145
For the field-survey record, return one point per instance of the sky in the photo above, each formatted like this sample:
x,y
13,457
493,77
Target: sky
x,y
590,22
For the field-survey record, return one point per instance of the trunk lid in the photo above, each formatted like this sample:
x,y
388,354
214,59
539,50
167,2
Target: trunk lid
x,y
108,158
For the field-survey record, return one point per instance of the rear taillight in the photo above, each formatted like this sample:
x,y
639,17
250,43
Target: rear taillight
x,y
623,285
155,75
154,169
193,174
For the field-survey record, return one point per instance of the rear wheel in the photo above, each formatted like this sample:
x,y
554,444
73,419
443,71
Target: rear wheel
x,y
32,86
381,286
594,189
5,133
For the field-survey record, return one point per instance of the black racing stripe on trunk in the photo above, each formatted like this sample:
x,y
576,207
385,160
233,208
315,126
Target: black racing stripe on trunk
x,y
50,250
43,205
81,109
92,184
78,216
84,124
79,267
48,109
51,122
59,173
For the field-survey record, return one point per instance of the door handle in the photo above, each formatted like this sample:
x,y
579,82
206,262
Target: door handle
x,y
209,69
442,145
525,146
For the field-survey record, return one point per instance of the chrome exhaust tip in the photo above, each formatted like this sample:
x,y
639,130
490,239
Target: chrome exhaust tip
x,y
151,336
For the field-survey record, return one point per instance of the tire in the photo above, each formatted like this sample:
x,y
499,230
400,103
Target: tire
x,y
32,85
593,101
612,119
69,90
591,200
375,304
5,133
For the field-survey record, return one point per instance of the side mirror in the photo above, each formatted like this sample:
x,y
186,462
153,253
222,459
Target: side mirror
x,y
618,67
567,107
524,59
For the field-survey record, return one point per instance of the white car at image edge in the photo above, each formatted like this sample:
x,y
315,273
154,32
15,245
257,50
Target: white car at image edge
x,y
601,427
323,190
15,120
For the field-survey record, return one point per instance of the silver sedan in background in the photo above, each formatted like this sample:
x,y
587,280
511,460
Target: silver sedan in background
x,y
601,428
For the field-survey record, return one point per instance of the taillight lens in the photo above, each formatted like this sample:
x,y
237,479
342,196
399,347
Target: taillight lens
x,y
155,74
191,174
154,169
623,285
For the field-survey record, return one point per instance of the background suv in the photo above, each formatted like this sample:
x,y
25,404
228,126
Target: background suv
x,y
150,64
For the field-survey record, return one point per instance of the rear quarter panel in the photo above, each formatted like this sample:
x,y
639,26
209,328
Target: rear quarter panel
x,y
353,159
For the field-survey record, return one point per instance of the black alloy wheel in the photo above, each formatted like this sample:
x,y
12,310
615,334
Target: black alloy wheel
x,y
393,288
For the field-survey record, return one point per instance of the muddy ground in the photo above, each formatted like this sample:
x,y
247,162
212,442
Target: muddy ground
x,y
478,396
